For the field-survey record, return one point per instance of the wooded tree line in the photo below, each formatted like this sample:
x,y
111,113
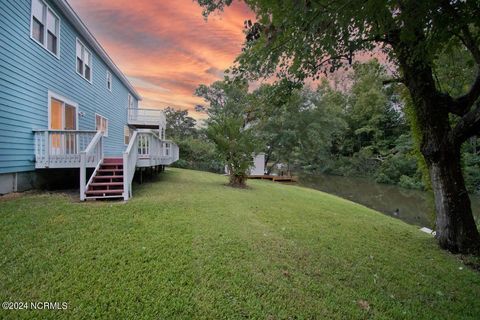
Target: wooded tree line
x,y
297,40
361,131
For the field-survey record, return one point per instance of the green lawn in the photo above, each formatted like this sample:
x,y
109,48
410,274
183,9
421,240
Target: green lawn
x,y
188,247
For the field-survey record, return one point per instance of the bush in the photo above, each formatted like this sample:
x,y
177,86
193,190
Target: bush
x,y
471,171
198,154
383,178
410,182
396,166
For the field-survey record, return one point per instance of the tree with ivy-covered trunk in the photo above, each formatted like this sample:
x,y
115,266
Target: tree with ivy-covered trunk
x,y
300,39
228,108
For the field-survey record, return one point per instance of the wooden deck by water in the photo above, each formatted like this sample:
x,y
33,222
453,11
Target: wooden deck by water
x,y
275,178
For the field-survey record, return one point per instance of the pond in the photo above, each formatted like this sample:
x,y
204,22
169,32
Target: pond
x,y
412,206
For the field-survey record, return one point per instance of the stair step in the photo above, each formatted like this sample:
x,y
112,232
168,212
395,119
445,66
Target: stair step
x,y
110,170
110,165
102,192
113,160
116,196
100,184
108,177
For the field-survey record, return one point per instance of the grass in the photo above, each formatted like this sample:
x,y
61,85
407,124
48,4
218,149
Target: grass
x,y
188,247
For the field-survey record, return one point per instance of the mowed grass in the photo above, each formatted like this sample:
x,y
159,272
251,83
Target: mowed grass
x,y
188,247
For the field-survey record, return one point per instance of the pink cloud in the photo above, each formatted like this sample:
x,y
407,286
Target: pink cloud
x,y
166,48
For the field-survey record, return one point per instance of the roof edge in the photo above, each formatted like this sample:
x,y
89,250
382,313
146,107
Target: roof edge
x,y
73,17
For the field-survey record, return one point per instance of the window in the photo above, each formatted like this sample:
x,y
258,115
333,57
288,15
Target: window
x,y
84,61
109,81
45,27
126,135
101,124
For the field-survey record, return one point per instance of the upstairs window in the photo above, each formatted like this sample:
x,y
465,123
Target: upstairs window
x,y
45,27
109,81
84,61
101,124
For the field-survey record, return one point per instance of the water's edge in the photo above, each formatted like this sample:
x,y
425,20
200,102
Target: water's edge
x,y
412,206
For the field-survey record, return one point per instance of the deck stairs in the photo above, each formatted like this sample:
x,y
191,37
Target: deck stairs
x,y
107,180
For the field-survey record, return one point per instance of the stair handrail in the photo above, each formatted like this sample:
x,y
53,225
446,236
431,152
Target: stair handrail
x,y
129,164
93,155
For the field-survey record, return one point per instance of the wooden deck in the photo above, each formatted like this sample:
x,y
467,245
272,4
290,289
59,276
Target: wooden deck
x,y
275,178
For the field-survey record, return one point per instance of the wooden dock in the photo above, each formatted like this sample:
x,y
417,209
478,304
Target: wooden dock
x,y
275,178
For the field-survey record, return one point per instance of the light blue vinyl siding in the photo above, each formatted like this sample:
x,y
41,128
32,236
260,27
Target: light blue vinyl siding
x,y
28,71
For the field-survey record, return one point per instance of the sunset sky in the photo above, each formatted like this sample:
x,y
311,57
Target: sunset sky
x,y
166,48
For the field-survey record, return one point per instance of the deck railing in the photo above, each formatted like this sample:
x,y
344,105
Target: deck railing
x,y
60,148
154,117
92,156
129,164
152,150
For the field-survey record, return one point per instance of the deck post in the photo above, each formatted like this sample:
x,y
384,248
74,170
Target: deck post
x,y
83,174
47,149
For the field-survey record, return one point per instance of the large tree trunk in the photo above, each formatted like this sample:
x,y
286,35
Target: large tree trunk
x,y
456,230
455,227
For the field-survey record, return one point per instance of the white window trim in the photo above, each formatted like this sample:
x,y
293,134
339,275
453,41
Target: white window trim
x,y
91,62
44,45
65,101
109,74
105,134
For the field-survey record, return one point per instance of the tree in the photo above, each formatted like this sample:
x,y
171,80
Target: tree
x,y
274,124
301,39
179,124
228,127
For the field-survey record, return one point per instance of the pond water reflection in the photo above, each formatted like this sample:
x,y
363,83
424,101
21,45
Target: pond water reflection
x,y
412,206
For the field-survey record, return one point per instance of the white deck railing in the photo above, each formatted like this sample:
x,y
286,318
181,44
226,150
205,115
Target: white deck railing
x,y
145,149
154,151
153,117
129,164
60,148
92,156
84,149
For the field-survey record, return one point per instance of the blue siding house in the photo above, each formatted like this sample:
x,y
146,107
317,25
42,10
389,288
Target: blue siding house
x,y
64,104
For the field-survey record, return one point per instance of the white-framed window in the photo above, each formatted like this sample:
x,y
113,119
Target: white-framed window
x,y
101,124
84,61
126,135
109,80
45,27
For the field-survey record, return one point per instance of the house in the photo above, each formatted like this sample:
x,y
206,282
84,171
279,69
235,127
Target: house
x,y
65,105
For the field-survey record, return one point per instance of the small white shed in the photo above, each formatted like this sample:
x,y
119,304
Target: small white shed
x,y
258,168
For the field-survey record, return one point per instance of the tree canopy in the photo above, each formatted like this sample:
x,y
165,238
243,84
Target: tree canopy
x,y
302,39
228,110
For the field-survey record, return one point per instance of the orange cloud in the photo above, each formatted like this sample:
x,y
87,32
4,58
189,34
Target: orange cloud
x,y
166,48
